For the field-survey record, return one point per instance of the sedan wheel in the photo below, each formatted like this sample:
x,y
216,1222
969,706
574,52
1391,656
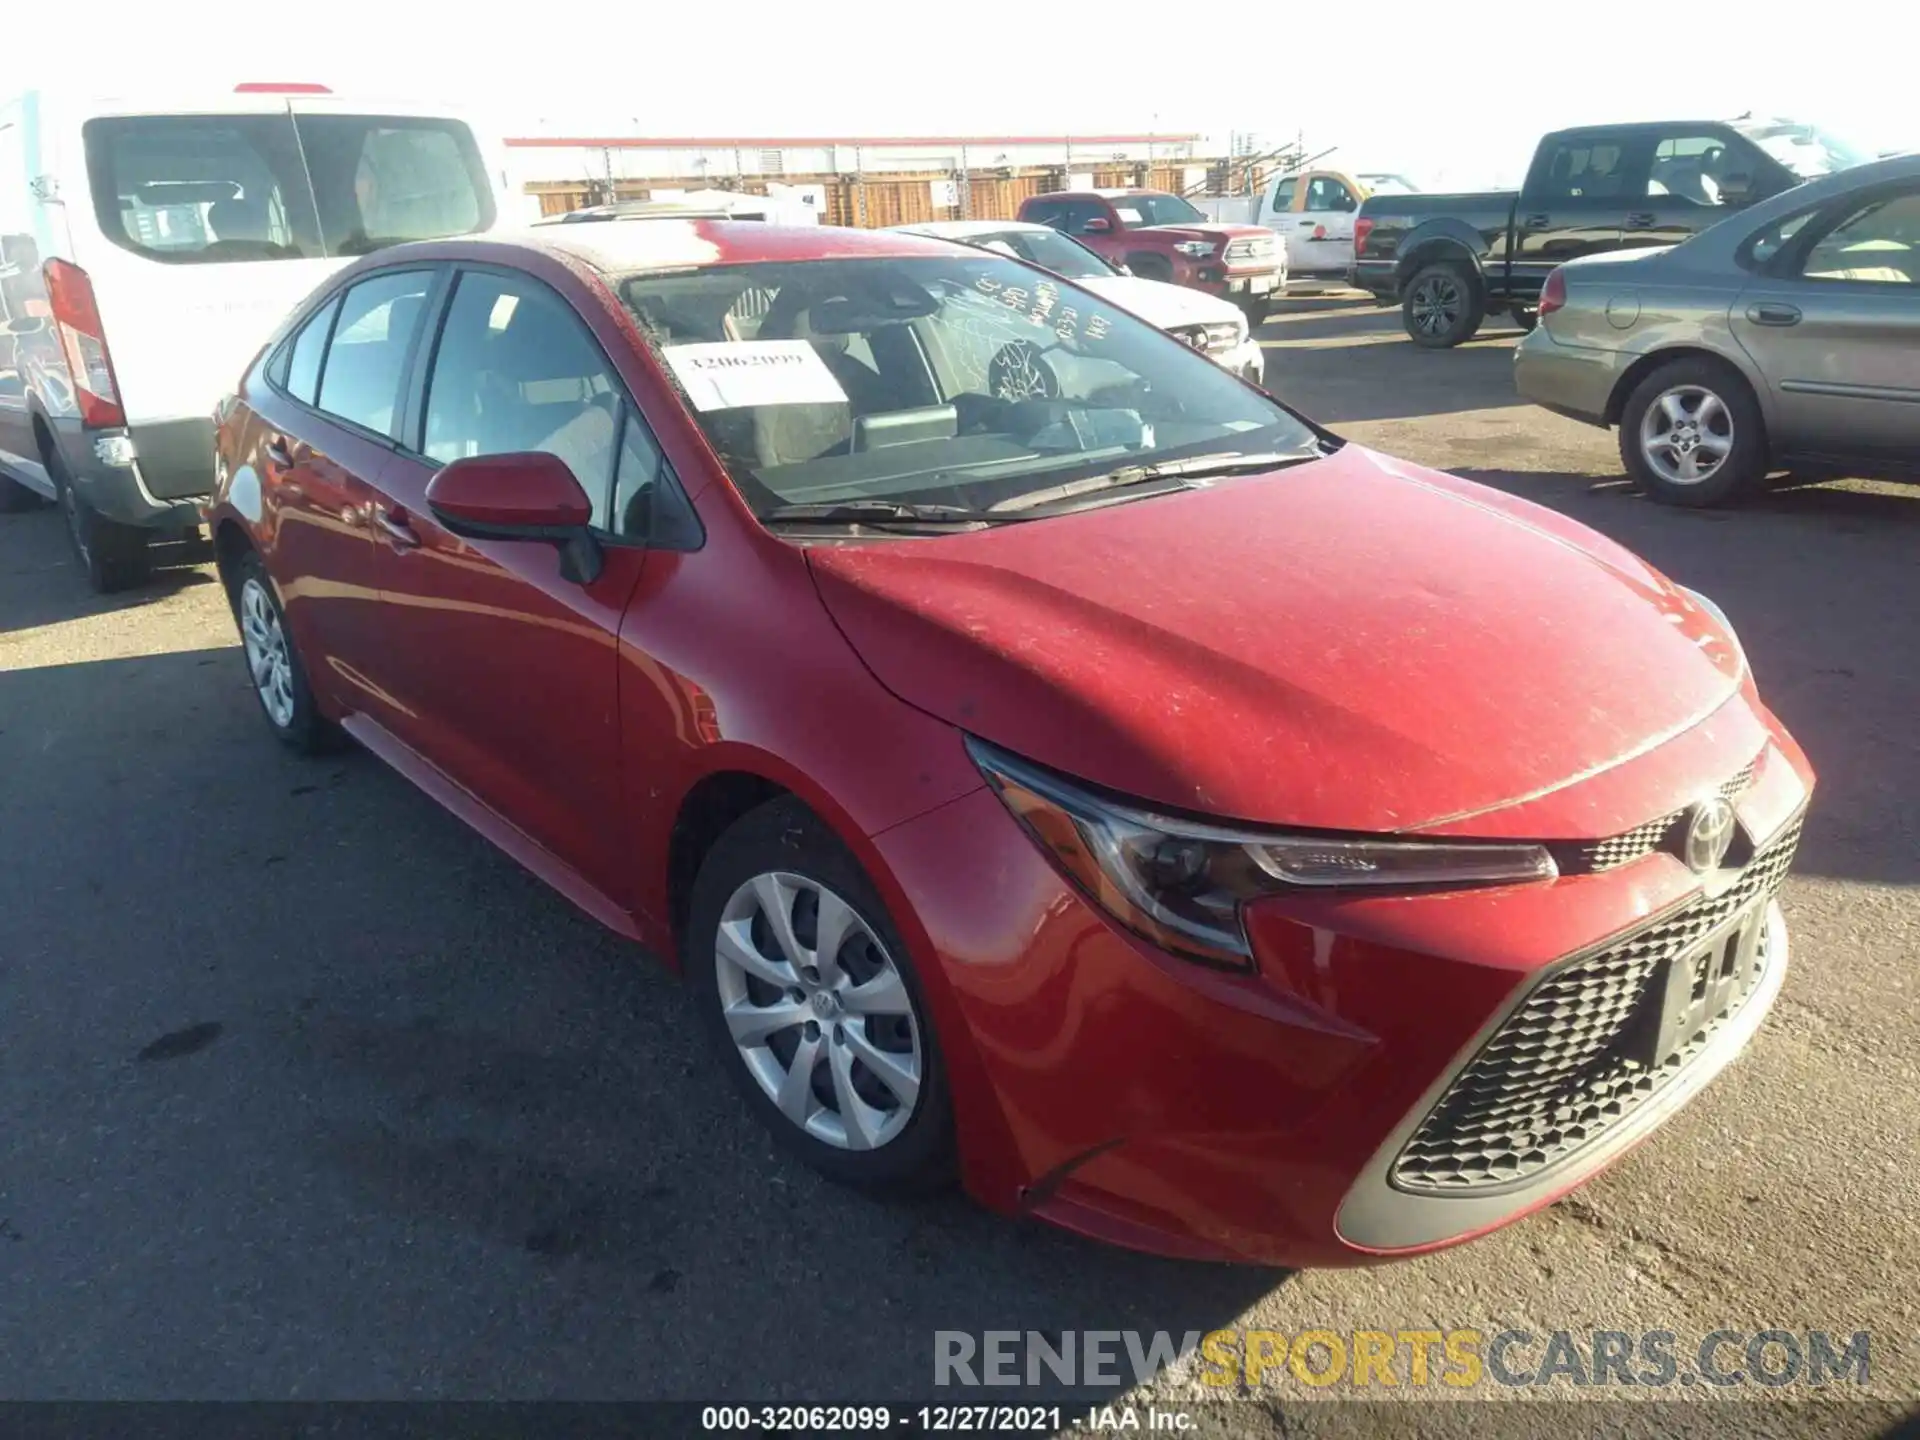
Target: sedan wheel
x,y
1692,434
807,990
1686,435
267,657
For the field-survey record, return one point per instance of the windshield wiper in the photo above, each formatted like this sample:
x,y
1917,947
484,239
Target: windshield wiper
x,y
1193,467
872,512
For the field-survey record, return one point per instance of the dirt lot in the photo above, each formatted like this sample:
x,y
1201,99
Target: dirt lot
x,y
308,1093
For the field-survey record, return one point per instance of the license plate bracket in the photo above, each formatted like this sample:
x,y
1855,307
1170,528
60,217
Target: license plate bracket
x,y
1689,991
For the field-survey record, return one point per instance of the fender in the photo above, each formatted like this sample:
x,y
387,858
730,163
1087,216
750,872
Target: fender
x,y
1443,238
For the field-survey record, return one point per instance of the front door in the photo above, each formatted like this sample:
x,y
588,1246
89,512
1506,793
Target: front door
x,y
1320,236
505,672
1835,327
1687,187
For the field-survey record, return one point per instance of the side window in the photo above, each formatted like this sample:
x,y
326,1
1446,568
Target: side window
x,y
1878,244
1585,167
517,370
303,357
1327,193
361,379
1283,193
1691,167
633,481
1047,212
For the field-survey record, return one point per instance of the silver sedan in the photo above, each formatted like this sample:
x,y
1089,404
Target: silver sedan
x,y
1785,337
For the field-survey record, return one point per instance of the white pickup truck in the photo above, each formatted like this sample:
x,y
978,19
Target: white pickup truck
x,y
1312,212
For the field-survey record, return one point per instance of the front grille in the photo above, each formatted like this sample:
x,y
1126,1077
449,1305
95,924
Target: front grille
x,y
1663,834
1556,1076
1254,248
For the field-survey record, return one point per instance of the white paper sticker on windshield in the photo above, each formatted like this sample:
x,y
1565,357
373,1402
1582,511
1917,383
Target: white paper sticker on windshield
x,y
729,374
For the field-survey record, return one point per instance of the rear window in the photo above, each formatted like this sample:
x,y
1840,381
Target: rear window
x,y
211,189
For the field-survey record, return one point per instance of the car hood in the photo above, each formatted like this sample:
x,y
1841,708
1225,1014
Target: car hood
x,y
1161,304
1354,644
1199,231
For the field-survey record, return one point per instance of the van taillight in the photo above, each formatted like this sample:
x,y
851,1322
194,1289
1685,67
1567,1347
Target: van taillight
x,y
75,313
1362,227
1553,294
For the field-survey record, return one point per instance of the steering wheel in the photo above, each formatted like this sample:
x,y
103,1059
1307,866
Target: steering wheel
x,y
1019,371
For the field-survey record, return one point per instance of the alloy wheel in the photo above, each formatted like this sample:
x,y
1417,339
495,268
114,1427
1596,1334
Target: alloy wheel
x,y
1436,305
1686,435
818,1011
268,659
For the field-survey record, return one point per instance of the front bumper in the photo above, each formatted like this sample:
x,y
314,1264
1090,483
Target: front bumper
x,y
1247,360
1570,380
1142,1100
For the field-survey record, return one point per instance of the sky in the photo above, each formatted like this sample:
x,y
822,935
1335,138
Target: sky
x,y
1408,92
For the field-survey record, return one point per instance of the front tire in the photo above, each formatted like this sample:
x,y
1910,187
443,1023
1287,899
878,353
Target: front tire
x,y
1256,311
1691,434
274,667
1527,317
1443,306
805,986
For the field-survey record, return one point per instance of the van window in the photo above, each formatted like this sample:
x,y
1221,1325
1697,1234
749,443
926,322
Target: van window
x,y
201,188
224,188
382,180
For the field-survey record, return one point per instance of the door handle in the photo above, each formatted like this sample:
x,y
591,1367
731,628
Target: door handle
x,y
1306,224
1537,222
398,528
1641,220
1769,313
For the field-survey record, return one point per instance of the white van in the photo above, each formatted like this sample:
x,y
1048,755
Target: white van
x,y
146,250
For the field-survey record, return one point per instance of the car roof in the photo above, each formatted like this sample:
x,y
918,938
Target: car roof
x,y
669,242
966,229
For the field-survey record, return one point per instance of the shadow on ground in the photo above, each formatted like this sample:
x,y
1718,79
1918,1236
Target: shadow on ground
x,y
352,1106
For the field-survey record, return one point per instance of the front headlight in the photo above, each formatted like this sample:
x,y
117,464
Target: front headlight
x,y
1199,249
1180,883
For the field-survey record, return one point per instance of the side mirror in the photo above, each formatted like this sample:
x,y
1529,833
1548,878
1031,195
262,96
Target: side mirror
x,y
1120,267
530,495
1099,225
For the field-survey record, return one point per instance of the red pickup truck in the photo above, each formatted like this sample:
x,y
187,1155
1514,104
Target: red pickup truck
x,y
1162,237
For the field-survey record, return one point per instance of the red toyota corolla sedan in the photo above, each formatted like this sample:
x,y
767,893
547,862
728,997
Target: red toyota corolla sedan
x,y
1049,759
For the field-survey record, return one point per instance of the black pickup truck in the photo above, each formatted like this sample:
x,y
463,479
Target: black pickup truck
x,y
1449,261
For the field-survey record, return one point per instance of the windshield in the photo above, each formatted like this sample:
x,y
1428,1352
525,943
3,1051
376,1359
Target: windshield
x,y
203,189
1806,151
1155,209
1048,249
965,380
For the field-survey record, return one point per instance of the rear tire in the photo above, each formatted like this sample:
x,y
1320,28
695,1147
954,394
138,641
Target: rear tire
x,y
1525,316
776,872
1698,415
113,555
275,671
1443,305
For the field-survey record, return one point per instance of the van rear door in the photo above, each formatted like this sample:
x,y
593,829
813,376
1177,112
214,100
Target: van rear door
x,y
209,226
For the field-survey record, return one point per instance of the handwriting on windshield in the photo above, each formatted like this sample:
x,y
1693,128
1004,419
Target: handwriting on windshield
x,y
1041,306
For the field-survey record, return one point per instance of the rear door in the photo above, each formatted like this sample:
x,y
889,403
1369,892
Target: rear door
x,y
198,232
1834,324
1572,203
504,672
321,458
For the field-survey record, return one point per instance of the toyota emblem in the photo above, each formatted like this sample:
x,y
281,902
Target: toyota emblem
x,y
1709,834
